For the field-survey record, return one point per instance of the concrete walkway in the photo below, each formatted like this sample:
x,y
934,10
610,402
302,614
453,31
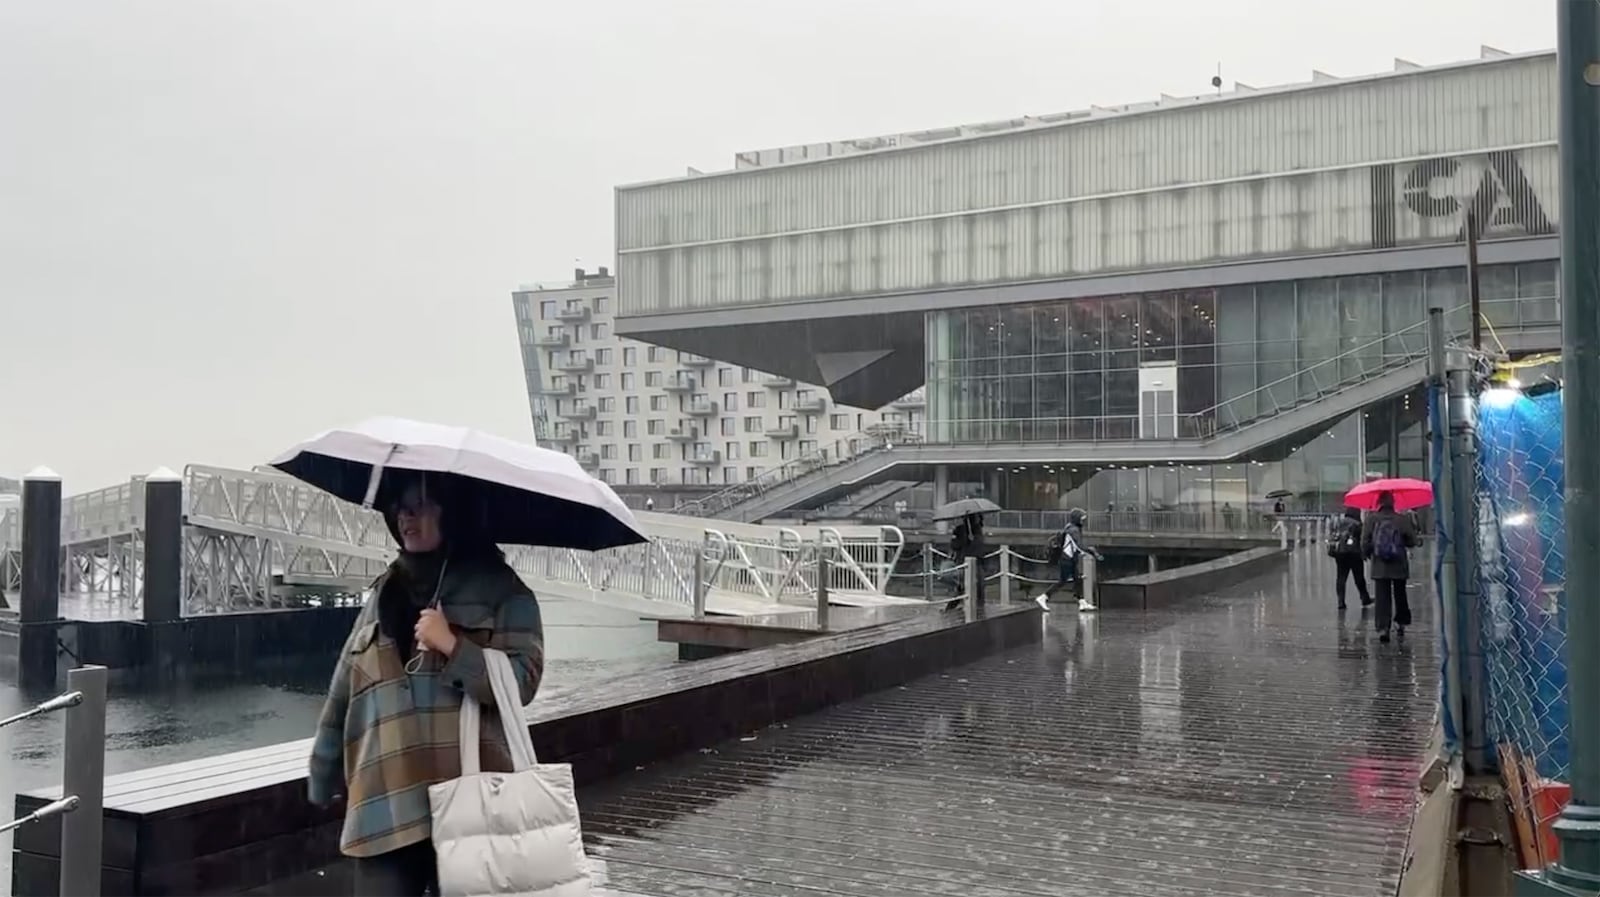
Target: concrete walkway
x,y
1255,742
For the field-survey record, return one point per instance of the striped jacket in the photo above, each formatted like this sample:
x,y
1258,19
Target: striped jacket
x,y
385,735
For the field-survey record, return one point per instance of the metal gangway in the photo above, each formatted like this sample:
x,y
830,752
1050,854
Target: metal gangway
x,y
254,538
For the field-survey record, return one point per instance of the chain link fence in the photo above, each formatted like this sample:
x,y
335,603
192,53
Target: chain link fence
x,y
1521,604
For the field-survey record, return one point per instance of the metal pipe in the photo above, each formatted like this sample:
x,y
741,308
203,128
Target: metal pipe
x,y
54,808
1474,298
59,702
84,777
1578,87
1463,453
1449,611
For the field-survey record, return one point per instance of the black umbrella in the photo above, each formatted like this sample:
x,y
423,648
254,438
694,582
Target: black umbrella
x,y
964,507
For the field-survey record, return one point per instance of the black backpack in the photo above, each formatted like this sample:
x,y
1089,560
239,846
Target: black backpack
x,y
1347,541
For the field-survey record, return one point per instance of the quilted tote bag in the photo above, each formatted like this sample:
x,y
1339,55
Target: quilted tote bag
x,y
498,833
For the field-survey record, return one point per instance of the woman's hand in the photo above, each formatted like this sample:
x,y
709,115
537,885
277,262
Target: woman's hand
x,y
433,632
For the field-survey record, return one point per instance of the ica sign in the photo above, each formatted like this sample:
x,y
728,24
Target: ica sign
x,y
1494,188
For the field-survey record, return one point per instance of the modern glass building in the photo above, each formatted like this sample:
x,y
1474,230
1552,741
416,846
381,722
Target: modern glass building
x,y
1203,303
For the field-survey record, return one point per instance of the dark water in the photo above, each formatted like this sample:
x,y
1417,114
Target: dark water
x,y
584,643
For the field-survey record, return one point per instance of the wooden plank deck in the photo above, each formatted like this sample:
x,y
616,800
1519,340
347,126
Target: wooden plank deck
x,y
1252,742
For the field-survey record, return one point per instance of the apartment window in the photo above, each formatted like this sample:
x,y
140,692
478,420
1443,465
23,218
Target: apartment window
x,y
605,428
730,401
755,399
808,446
652,378
839,421
758,449
577,356
785,420
599,331
802,394
602,305
657,353
811,424
627,378
749,376
658,474
608,403
558,381
547,309
784,399
553,331
630,355
892,417
602,356
729,474
725,377
729,426
656,427
577,335
608,450
731,451
752,424
632,475
660,450
602,381
658,403
785,450
631,405
635,452
607,475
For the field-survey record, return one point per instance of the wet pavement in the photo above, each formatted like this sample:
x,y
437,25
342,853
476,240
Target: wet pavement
x,y
1256,741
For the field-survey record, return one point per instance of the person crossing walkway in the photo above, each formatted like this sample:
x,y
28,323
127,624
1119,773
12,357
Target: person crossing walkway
x,y
1067,547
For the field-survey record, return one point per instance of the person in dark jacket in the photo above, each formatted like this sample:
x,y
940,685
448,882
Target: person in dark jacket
x,y
1345,548
1386,538
1066,549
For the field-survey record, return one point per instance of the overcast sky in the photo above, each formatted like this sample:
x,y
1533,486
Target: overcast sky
x,y
226,224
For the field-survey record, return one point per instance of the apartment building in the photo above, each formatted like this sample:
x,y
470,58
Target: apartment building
x,y
644,416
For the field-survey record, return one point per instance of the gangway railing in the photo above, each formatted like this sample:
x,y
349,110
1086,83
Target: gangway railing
x,y
83,775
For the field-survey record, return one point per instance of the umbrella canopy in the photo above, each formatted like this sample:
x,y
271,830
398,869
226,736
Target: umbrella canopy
x,y
1409,494
1280,493
526,495
963,507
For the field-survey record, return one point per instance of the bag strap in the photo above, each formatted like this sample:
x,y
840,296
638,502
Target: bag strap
x,y
503,681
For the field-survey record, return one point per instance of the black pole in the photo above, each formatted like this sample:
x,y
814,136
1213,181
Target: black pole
x,y
1473,295
163,547
40,613
1578,84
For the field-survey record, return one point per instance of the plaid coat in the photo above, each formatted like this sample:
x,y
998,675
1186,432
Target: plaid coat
x,y
385,735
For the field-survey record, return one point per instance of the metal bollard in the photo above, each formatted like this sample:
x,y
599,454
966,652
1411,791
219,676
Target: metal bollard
x,y
1283,534
927,571
700,587
822,593
1005,575
84,777
1089,576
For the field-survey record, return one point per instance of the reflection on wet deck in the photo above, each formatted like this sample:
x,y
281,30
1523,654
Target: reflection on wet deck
x,y
1255,742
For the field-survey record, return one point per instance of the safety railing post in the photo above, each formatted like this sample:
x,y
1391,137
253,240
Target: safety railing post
x,y
822,592
1089,576
1005,575
700,585
83,776
927,571
970,599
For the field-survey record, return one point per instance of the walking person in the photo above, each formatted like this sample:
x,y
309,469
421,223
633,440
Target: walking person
x,y
968,542
1066,548
389,726
1344,547
1386,539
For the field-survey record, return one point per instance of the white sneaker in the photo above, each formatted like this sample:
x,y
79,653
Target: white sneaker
x,y
1086,604
1044,603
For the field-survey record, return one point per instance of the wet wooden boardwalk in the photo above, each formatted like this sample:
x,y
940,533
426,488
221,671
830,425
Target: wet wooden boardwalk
x,y
1255,742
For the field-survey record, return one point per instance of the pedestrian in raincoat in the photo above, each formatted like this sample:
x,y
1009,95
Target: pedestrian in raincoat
x,y
389,726
1344,546
1386,539
1066,549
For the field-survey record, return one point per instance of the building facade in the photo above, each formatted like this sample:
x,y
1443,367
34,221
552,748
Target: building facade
x,y
1169,305
639,415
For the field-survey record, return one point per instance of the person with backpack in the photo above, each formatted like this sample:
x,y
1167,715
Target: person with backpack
x,y
1386,538
1064,550
1344,546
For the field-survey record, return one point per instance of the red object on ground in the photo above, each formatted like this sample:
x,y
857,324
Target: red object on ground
x,y
1549,799
1408,494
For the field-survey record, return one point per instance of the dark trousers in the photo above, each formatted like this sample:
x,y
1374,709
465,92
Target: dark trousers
x,y
1351,567
407,872
1066,575
1393,606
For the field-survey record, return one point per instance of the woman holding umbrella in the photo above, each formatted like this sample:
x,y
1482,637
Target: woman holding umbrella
x,y
1387,536
390,725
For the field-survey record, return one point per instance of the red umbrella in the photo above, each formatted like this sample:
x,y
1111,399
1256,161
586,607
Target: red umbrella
x,y
1408,494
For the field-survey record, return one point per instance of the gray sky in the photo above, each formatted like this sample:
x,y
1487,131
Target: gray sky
x,y
226,224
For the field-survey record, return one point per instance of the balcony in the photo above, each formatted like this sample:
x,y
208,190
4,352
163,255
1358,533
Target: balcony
x,y
691,360
815,404
579,411
588,459
703,408
564,435
573,315
680,384
553,340
783,431
569,366
915,399
683,434
564,391
777,381
707,458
